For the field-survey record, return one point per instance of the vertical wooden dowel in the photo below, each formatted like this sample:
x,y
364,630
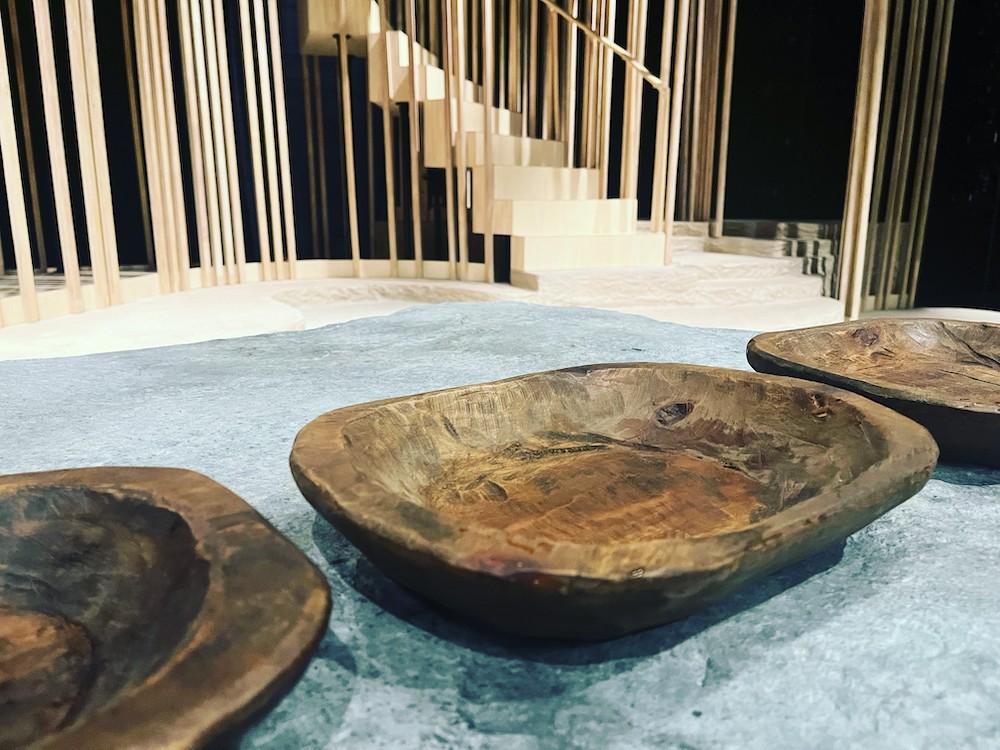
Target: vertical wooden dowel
x,y
632,190
310,153
14,188
607,86
458,45
229,131
662,121
57,155
387,152
133,101
930,85
451,223
270,143
694,166
85,139
352,185
940,76
250,85
532,108
414,123
712,56
29,151
284,161
904,143
475,45
683,200
324,202
727,99
174,164
676,99
547,71
488,136
570,93
207,143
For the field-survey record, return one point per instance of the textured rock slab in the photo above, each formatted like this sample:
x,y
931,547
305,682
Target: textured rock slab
x,y
143,608
601,500
944,374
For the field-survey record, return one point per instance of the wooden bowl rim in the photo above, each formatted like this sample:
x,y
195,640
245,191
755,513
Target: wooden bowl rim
x,y
148,715
315,465
931,397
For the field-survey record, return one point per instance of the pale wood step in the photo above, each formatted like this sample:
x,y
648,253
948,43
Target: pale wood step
x,y
515,151
435,126
539,183
396,84
555,218
529,254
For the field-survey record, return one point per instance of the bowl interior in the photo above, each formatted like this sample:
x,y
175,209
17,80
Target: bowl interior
x,y
613,454
86,578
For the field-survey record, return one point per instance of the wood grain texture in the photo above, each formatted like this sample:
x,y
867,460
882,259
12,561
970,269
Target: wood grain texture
x,y
944,374
143,608
596,501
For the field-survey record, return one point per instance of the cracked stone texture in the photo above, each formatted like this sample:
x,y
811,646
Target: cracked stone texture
x,y
890,641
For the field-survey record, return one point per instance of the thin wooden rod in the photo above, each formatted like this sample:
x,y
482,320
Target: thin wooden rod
x,y
710,107
88,169
174,163
570,64
676,99
662,122
917,189
940,76
348,124
29,151
532,108
548,89
57,155
215,209
633,108
284,161
683,199
694,166
387,150
727,100
488,137
458,46
133,101
324,202
414,122
607,85
587,90
451,223
903,148
307,96
14,187
270,142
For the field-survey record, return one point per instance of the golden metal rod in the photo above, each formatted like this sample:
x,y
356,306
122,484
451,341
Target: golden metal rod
x,y
460,143
676,98
310,154
57,156
14,188
29,152
488,137
727,99
284,161
940,76
270,144
352,185
662,122
903,148
414,123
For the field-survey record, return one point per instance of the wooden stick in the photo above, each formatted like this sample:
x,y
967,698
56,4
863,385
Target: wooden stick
x,y
29,152
282,129
307,95
460,141
532,108
710,106
727,99
607,86
916,205
324,203
488,137
684,202
903,148
57,156
632,188
387,153
215,210
694,167
352,185
174,164
270,144
449,176
571,78
15,193
940,76
662,122
677,96
414,123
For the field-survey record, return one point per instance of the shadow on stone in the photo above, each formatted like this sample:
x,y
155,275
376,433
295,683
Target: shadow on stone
x,y
967,475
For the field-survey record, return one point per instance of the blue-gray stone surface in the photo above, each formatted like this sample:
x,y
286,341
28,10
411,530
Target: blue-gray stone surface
x,y
890,641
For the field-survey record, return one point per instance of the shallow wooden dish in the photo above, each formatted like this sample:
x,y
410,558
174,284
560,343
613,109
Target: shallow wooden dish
x,y
143,608
944,374
595,501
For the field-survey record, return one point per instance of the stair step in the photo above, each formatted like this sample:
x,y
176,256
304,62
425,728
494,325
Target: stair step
x,y
396,83
529,218
515,151
529,254
435,127
539,183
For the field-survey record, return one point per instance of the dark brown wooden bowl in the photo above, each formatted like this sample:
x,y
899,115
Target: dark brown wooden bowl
x,y
595,501
143,608
944,374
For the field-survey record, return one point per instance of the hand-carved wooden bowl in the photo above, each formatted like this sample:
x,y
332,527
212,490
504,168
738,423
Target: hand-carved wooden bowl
x,y
595,501
143,608
944,374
